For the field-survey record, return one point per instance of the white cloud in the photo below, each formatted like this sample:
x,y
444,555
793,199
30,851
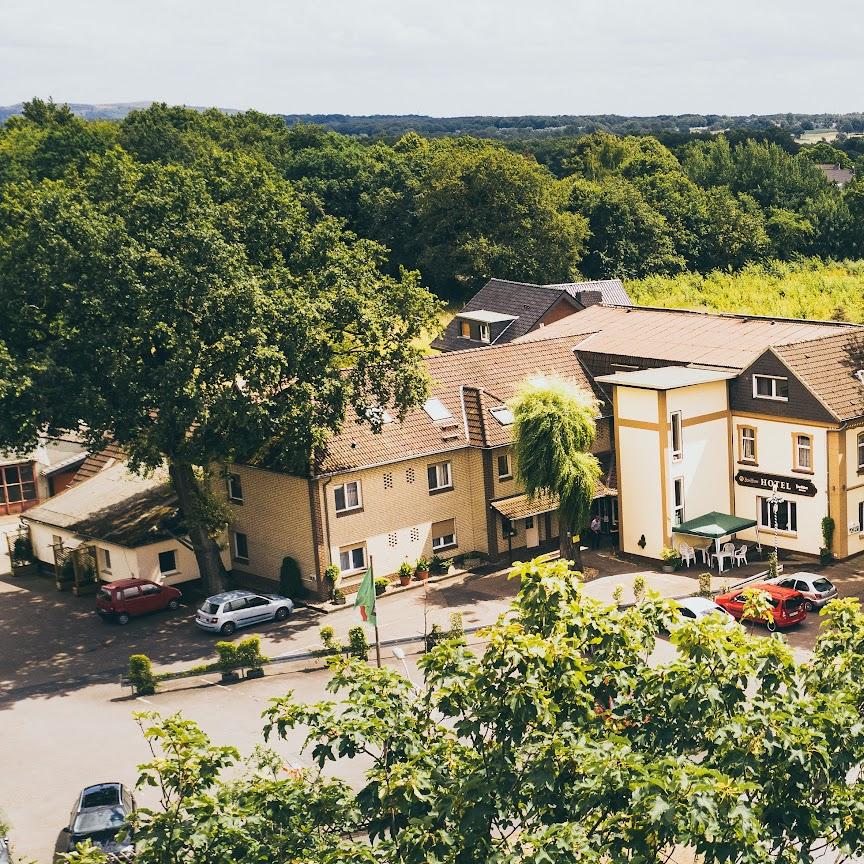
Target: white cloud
x,y
447,57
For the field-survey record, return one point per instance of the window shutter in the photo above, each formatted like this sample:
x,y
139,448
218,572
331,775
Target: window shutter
x,y
443,528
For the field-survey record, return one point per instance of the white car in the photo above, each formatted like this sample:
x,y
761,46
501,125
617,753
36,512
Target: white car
x,y
224,613
817,590
694,608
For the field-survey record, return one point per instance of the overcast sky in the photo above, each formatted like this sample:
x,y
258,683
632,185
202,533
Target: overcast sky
x,y
441,57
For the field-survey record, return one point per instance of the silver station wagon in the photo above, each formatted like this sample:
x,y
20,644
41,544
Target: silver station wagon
x,y
224,613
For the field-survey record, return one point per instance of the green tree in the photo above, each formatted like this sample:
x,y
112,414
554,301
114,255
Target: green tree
x,y
553,431
196,318
564,740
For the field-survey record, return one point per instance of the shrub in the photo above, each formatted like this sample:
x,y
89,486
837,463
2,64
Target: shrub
x,y
331,577
141,675
290,581
248,653
826,556
328,639
381,584
457,628
357,645
227,654
671,557
22,551
618,594
338,595
828,534
704,584
66,573
434,637
438,566
638,587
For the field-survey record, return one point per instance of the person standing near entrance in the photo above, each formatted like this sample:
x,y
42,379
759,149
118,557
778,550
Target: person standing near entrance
x,y
594,528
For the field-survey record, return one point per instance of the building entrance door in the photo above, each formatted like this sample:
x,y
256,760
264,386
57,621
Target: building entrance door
x,y
532,532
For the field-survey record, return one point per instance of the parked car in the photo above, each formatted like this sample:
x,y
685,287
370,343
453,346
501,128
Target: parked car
x,y
101,815
224,613
787,606
817,590
127,597
694,608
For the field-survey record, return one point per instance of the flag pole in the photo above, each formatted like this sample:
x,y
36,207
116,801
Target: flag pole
x,y
377,638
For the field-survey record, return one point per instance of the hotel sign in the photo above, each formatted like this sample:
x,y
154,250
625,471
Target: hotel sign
x,y
785,485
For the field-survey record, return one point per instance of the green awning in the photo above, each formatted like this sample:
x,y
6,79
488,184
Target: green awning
x,y
714,525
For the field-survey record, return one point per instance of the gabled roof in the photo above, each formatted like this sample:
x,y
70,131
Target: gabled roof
x,y
528,303
826,368
683,336
97,462
468,384
836,174
115,506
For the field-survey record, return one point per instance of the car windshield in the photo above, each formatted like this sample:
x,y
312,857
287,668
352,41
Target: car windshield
x,y
822,585
100,819
102,594
210,608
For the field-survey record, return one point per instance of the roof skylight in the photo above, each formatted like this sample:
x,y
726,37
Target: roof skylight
x,y
436,409
502,414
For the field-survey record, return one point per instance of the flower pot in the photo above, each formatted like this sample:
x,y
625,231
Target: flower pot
x,y
339,601
668,568
405,580
254,673
422,575
230,677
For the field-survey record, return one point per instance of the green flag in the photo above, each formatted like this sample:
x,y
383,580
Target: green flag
x,y
366,598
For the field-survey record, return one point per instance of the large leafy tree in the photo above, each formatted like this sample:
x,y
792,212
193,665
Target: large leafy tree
x,y
195,316
553,431
562,741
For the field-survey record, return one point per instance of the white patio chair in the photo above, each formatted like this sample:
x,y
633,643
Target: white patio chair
x,y
688,554
741,555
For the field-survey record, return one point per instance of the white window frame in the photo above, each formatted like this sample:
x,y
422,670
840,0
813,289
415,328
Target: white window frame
x,y
234,499
508,474
773,379
235,547
349,551
159,563
678,503
799,449
443,476
743,448
343,488
770,527
485,333
860,442
676,430
446,541
106,559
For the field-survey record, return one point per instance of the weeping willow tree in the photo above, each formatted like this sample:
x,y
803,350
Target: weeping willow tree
x,y
553,431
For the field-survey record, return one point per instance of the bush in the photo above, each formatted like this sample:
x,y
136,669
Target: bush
x,y
826,556
22,551
248,653
435,637
457,628
290,580
671,557
338,595
705,585
66,572
638,587
357,645
381,584
328,639
438,566
618,595
331,577
141,675
827,535
227,654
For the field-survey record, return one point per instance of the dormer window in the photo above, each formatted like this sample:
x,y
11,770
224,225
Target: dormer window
x,y
485,333
771,387
464,329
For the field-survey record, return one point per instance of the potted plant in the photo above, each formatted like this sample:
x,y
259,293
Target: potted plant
x,y
228,661
421,569
250,657
23,559
438,566
65,573
331,577
406,573
338,597
671,559
381,583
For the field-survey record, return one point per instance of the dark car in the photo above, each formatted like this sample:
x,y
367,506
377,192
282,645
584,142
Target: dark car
x,y
101,815
127,597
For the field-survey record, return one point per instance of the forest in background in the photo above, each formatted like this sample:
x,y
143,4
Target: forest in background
x,y
460,209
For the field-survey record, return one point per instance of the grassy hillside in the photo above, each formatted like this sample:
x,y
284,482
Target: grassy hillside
x,y
809,288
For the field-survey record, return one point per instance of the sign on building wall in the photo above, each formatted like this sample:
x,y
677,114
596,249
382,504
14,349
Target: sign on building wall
x,y
787,485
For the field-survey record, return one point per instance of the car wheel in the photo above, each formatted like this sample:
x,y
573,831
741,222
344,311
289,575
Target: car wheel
x,y
228,628
173,604
772,625
122,618
809,605
281,613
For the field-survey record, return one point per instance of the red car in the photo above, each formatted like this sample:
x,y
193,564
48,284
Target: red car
x,y
788,607
127,597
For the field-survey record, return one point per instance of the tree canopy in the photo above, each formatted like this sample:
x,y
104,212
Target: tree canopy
x,y
563,739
